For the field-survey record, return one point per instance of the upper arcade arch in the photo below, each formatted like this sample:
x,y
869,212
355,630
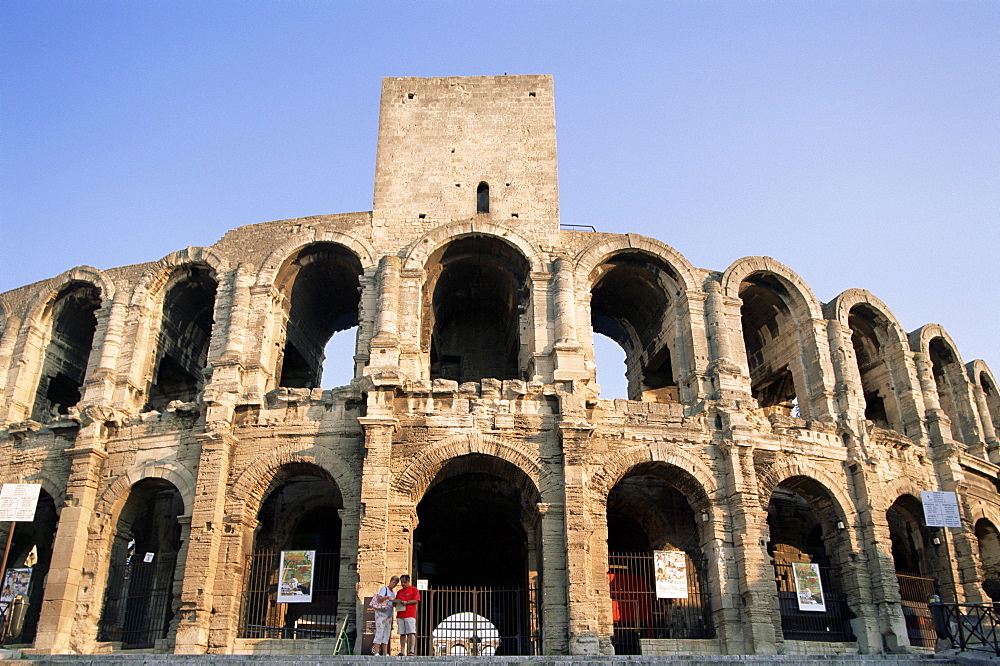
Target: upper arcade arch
x,y
785,355
281,255
988,396
638,299
416,255
948,381
588,259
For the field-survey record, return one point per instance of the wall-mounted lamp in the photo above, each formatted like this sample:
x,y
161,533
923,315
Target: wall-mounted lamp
x,y
936,541
840,525
704,517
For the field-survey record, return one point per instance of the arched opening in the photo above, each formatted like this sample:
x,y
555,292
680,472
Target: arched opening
x,y
656,568
321,284
808,552
912,553
633,303
64,369
771,336
988,538
483,198
300,514
610,360
142,590
477,543
185,334
29,559
949,380
868,336
474,304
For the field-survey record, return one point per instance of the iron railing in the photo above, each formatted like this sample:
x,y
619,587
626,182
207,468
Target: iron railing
x,y
833,624
264,617
969,627
478,621
638,613
138,602
915,593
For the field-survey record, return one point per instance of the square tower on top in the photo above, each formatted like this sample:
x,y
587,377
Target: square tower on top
x,y
462,147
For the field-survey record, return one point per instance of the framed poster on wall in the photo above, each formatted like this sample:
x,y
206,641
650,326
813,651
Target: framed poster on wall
x,y
295,582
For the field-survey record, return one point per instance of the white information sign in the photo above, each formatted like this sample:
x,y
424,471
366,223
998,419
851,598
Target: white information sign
x,y
671,574
422,584
18,501
940,508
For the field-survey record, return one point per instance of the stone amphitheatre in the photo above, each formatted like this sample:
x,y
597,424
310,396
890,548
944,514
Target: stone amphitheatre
x,y
173,414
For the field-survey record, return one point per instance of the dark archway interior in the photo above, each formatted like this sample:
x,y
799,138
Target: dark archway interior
x,y
322,288
909,537
300,512
475,294
771,342
988,538
876,380
31,547
64,370
182,352
947,374
632,303
139,595
471,529
795,529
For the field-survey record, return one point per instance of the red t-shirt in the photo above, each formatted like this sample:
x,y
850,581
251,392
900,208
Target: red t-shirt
x,y
410,593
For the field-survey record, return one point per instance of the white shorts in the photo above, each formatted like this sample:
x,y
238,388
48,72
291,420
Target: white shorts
x,y
406,625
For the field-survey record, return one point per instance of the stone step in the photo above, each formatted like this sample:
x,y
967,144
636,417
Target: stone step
x,y
16,659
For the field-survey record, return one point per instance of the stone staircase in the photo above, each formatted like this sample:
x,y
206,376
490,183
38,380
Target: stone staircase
x,y
13,658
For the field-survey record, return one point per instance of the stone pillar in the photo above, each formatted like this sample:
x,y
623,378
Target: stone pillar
x,y
985,418
567,353
758,594
723,368
385,344
584,637
198,590
7,340
69,549
373,531
938,423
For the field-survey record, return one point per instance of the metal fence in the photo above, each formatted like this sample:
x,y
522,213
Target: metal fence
x,y
478,621
832,624
638,613
915,593
138,602
264,617
973,627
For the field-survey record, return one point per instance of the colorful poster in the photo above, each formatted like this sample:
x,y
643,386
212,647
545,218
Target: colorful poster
x,y
295,584
808,587
671,574
15,584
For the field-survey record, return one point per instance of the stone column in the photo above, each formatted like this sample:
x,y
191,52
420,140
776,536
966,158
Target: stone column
x,y
11,328
723,368
373,532
69,549
985,418
758,594
385,344
198,590
100,386
567,353
584,637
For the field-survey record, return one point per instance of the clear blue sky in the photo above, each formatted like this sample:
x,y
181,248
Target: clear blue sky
x,y
856,142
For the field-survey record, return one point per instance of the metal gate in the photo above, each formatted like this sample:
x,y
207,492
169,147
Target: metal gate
x,y
264,617
638,613
138,602
915,594
833,624
478,621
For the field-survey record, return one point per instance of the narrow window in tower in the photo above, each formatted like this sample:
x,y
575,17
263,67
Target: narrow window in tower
x,y
483,198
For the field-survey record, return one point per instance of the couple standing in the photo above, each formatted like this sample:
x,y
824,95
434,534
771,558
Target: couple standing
x,y
406,620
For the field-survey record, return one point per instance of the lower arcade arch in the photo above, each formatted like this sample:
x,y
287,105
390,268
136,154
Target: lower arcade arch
x,y
657,569
919,564
27,568
477,544
810,551
142,591
988,540
293,572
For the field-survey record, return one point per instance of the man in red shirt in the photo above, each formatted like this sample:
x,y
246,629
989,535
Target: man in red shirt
x,y
406,619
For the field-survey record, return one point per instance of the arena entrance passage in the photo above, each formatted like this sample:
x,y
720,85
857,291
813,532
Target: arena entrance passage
x,y
477,545
916,568
802,522
649,510
301,513
139,603
31,548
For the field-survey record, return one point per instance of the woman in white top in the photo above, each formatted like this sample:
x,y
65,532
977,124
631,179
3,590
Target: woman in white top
x,y
383,617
